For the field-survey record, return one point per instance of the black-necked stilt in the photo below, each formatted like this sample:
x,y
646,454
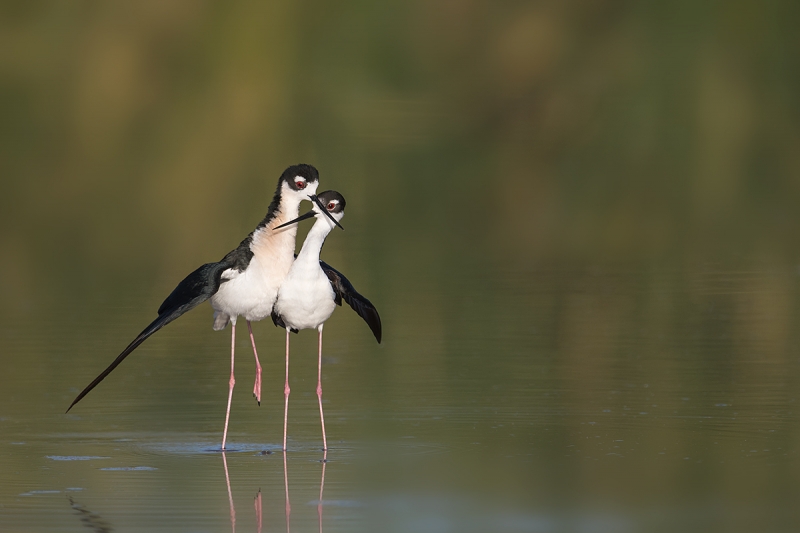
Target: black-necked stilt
x,y
244,283
312,289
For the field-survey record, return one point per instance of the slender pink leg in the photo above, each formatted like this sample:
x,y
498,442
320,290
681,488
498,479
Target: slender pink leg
x,y
321,486
319,391
286,489
231,383
230,496
286,391
257,386
259,510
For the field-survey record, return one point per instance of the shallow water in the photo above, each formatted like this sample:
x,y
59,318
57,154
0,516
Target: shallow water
x,y
592,400
578,221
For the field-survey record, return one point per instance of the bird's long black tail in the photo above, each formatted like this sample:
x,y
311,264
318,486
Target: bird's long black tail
x,y
195,289
154,326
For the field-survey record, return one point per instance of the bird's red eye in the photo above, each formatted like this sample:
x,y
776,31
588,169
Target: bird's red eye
x,y
331,206
300,184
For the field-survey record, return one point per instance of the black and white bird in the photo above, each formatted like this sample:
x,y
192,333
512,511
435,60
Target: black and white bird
x,y
243,283
312,290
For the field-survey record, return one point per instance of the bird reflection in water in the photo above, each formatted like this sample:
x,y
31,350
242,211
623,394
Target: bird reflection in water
x,y
257,505
89,519
286,490
321,486
258,500
230,495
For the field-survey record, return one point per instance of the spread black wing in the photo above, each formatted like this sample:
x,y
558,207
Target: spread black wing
x,y
344,290
195,289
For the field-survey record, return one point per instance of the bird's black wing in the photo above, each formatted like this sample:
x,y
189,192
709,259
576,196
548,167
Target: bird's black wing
x,y
343,289
195,289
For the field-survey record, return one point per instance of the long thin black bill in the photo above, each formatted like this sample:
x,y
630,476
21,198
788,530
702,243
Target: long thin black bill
x,y
315,199
298,219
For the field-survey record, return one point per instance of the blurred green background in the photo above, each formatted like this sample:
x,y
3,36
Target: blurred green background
x,y
563,210
143,137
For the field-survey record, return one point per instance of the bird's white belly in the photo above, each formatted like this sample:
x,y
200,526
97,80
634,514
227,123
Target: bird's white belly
x,y
305,304
250,293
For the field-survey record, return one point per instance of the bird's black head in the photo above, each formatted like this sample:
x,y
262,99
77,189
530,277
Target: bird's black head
x,y
295,185
299,177
332,201
328,203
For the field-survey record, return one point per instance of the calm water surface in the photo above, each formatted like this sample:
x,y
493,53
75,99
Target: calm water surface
x,y
593,399
635,369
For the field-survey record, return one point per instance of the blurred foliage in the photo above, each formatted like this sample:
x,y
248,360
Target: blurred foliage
x,y
147,136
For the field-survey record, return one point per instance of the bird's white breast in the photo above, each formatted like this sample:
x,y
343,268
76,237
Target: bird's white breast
x,y
305,300
252,292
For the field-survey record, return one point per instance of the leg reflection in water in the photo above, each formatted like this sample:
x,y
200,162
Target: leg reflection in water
x,y
258,507
286,490
257,504
230,496
321,486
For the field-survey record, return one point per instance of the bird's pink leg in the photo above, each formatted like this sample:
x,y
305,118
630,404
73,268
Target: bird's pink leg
x,y
231,383
286,391
257,386
319,391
